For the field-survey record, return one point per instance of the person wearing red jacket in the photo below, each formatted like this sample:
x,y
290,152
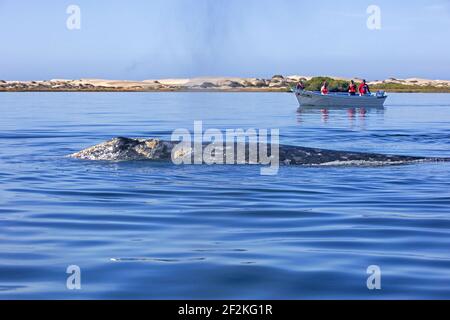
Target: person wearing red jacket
x,y
364,88
352,88
324,89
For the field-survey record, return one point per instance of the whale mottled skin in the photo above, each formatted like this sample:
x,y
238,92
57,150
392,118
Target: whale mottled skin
x,y
129,149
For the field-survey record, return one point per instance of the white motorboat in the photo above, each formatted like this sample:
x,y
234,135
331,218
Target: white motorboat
x,y
339,99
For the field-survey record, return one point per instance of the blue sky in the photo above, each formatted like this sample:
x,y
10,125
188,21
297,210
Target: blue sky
x,y
146,39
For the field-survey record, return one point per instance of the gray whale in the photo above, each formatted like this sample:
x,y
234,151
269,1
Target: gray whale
x,y
129,149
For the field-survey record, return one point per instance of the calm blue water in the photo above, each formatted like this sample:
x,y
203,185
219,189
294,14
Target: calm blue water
x,y
154,230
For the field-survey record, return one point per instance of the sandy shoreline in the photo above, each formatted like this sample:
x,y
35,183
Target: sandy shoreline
x,y
277,83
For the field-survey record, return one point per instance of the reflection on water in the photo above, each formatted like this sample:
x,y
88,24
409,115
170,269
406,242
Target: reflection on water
x,y
339,114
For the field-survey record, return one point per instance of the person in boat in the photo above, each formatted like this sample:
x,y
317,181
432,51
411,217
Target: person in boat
x,y
324,89
364,88
352,88
300,86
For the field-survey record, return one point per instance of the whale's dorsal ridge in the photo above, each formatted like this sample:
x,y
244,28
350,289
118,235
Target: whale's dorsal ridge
x,y
127,149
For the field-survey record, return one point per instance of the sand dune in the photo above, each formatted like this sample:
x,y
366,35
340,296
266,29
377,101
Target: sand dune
x,y
277,83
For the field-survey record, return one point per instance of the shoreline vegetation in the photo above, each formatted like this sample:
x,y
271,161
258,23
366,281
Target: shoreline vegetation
x,y
277,83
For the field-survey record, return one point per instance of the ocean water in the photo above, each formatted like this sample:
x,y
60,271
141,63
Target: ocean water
x,y
151,230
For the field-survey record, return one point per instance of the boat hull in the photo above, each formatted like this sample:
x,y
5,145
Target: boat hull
x,y
309,98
